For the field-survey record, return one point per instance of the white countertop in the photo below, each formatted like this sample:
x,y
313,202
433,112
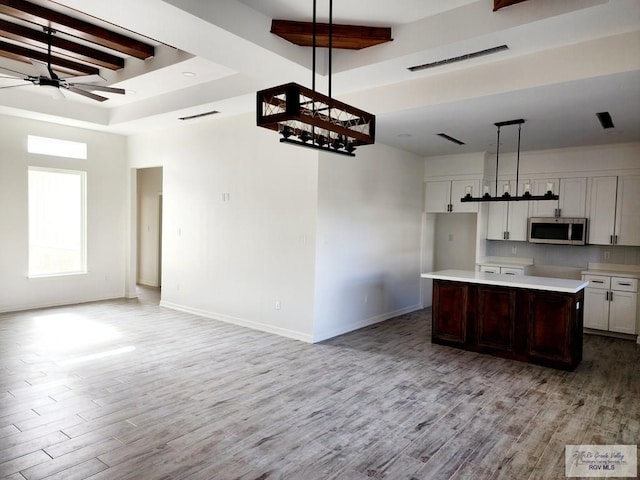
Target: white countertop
x,y
506,262
613,270
514,281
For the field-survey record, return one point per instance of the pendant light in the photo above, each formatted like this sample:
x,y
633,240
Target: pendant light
x,y
506,196
310,119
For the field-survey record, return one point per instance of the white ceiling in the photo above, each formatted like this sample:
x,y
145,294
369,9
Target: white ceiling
x,y
566,61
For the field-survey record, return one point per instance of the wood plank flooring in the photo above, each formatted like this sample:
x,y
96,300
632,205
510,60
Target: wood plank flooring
x,y
128,390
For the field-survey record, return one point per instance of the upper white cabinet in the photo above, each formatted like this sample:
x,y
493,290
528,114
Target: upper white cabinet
x,y
602,209
572,201
613,211
627,211
444,196
508,220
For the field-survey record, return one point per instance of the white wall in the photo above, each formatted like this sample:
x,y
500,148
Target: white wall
x,y
369,235
106,216
149,189
239,220
455,241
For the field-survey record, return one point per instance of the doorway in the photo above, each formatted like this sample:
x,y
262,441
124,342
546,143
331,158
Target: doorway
x,y
149,227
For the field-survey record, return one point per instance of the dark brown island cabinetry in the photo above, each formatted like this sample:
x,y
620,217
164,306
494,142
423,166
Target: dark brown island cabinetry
x,y
542,327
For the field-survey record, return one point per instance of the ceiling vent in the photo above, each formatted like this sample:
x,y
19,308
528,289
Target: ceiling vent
x,y
450,138
461,58
605,120
199,115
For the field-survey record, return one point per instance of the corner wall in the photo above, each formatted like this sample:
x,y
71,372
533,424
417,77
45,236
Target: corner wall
x,y
239,215
368,238
106,216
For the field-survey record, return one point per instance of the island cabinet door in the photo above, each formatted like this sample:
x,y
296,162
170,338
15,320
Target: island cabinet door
x,y
553,324
449,314
495,319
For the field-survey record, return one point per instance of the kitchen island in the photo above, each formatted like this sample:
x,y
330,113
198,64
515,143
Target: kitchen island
x,y
526,318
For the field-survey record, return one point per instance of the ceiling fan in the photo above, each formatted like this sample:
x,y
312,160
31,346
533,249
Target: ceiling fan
x,y
83,85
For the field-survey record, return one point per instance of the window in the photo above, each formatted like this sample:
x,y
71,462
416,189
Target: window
x,y
56,147
57,238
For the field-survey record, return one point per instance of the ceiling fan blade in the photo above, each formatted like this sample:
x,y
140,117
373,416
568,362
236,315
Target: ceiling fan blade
x,y
84,93
85,79
99,88
42,69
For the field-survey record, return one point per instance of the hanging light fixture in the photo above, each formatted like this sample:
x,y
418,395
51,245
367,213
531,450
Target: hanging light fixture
x,y
506,196
310,119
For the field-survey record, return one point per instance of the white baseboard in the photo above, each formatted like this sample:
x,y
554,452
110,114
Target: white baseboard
x,y
263,327
362,323
62,303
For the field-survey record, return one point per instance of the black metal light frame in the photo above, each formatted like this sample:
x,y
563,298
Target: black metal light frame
x,y
506,197
310,119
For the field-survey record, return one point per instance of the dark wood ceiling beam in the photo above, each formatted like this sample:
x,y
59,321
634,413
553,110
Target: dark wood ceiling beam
x,y
37,14
62,65
498,4
61,46
351,37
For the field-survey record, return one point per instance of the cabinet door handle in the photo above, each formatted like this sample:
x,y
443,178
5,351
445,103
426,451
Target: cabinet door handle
x,y
615,239
611,239
625,284
597,281
611,296
559,212
606,296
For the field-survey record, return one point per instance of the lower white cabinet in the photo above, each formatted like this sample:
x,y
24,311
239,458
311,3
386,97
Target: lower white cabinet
x,y
505,270
611,303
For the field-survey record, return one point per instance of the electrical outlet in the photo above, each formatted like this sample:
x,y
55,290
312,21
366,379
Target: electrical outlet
x,y
607,255
277,305
451,237
514,250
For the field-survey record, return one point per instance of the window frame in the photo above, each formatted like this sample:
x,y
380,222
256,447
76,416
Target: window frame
x,y
82,174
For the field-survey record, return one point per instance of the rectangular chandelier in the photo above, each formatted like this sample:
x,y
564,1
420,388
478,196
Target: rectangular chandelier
x,y
305,117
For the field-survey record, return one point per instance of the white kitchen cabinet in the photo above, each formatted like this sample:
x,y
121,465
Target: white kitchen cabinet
x,y
506,269
613,211
596,309
627,230
611,303
572,200
444,196
622,312
508,220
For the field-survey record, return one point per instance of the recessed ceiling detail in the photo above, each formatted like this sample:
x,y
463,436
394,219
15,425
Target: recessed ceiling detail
x,y
459,58
350,37
22,23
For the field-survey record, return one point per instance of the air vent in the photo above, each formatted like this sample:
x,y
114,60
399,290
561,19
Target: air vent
x,y
450,138
605,120
460,58
199,115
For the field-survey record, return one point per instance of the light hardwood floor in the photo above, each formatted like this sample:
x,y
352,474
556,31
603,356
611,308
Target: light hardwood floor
x,y
175,396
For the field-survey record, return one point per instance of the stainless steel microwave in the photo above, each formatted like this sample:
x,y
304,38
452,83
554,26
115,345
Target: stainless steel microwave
x,y
557,230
